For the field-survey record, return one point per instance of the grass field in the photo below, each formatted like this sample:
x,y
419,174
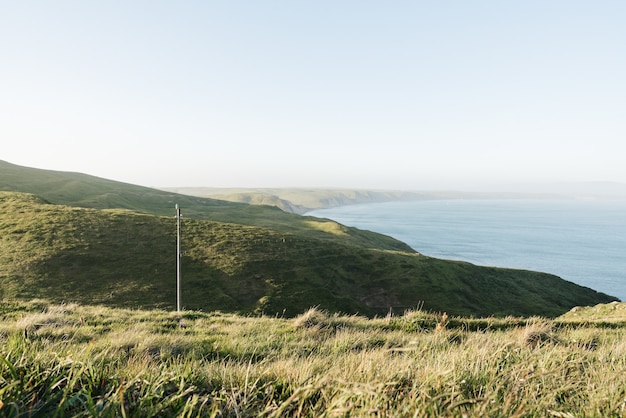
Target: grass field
x,y
78,238
72,360
86,287
124,258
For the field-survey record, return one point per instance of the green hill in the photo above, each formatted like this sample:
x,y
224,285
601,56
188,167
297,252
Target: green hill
x,y
81,190
69,243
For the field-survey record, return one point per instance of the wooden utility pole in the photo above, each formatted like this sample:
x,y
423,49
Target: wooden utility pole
x,y
178,258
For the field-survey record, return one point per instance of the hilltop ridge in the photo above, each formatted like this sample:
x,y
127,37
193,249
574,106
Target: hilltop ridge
x,y
117,248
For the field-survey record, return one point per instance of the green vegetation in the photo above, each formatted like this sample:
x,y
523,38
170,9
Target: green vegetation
x,y
71,360
80,190
73,237
611,314
123,258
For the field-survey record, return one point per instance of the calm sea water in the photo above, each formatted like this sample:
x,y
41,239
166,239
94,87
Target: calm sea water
x,y
578,240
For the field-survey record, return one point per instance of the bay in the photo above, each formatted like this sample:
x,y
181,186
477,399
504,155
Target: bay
x,y
583,241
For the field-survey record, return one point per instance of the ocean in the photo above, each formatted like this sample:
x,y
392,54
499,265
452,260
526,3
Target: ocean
x,y
583,241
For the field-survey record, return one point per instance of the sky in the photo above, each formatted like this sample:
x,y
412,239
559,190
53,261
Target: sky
x,y
365,94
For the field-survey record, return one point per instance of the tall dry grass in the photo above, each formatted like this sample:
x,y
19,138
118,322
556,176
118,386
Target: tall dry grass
x,y
91,361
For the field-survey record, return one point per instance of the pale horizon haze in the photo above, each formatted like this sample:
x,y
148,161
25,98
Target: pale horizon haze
x,y
348,94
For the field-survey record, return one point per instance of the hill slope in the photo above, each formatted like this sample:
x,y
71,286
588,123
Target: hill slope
x,y
124,258
81,190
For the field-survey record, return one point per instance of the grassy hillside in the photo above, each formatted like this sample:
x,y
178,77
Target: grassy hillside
x,y
81,190
123,258
71,360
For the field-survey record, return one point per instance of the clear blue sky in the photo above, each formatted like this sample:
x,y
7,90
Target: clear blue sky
x,y
360,94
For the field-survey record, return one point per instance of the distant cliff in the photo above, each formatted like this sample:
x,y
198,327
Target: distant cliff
x,y
300,201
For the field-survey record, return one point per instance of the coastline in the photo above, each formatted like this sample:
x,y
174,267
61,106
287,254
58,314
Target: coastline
x,y
302,200
579,240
